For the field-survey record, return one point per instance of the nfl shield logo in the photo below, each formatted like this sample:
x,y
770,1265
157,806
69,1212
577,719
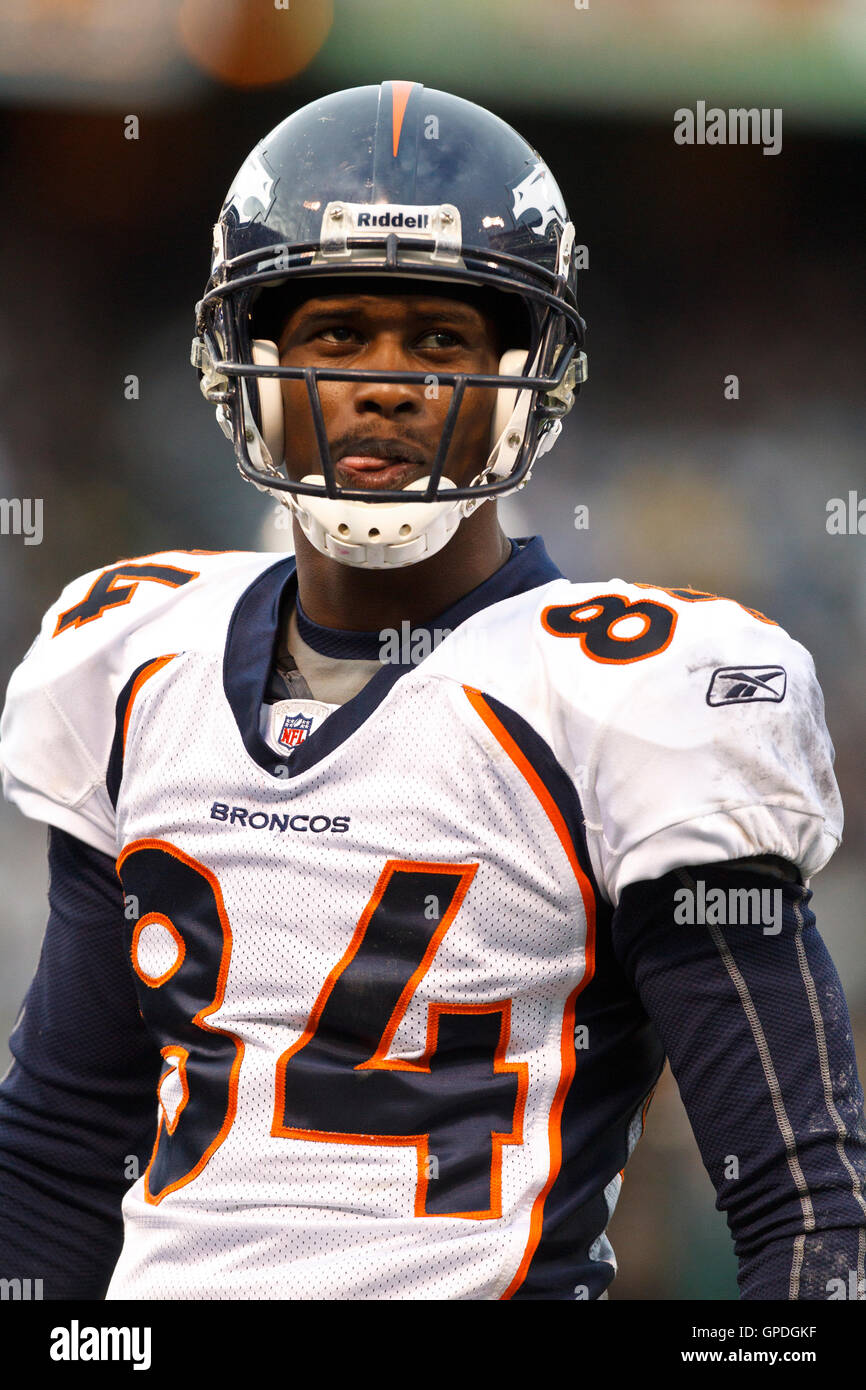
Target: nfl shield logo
x,y
295,729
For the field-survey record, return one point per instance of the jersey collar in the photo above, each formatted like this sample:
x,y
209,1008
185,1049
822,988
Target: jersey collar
x,y
253,635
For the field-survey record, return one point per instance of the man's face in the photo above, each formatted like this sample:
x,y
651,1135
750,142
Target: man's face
x,y
385,434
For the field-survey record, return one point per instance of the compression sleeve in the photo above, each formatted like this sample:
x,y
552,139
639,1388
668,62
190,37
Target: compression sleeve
x,y
77,1108
756,1027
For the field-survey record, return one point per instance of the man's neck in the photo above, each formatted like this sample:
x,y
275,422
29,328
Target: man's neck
x,y
360,600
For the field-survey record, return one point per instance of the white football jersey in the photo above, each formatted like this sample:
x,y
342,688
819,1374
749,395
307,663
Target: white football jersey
x,y
370,940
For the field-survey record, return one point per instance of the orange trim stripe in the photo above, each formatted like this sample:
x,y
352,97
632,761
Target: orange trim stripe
x,y
149,670
567,1053
401,91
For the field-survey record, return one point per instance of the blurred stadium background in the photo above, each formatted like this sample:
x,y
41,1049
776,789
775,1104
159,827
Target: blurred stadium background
x,y
703,261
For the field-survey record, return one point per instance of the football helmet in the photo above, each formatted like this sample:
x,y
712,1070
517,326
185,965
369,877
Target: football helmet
x,y
396,181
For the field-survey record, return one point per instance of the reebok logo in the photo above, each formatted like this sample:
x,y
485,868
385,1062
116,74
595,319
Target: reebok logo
x,y
734,685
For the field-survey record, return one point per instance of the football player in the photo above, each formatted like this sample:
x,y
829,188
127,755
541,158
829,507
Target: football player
x,y
385,877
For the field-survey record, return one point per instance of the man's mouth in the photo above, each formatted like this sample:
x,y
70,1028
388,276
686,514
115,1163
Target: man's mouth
x,y
371,464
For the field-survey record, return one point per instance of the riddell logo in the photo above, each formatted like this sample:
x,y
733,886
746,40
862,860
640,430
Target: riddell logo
x,y
418,220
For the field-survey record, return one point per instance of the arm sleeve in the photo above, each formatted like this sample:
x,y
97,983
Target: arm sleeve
x,y
755,1025
77,1106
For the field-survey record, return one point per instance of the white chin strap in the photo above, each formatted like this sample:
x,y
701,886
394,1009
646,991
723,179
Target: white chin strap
x,y
385,535
382,535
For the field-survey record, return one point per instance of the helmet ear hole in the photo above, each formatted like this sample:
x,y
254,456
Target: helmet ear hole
x,y
266,354
511,363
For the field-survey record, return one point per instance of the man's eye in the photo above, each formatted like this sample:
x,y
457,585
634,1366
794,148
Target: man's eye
x,y
449,339
336,333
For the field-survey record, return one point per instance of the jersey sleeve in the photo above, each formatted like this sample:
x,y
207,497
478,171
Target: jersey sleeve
x,y
709,740
58,722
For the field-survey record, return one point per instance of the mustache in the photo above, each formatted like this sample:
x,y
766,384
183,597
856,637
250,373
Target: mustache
x,y
375,446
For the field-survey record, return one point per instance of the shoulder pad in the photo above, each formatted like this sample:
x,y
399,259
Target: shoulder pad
x,y
708,740
58,721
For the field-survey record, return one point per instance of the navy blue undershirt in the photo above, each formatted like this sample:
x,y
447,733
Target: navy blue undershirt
x,y
346,645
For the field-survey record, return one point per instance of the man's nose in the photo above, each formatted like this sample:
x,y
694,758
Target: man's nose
x,y
388,398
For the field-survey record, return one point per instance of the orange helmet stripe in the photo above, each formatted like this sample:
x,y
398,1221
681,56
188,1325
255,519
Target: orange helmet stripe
x,y
401,93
